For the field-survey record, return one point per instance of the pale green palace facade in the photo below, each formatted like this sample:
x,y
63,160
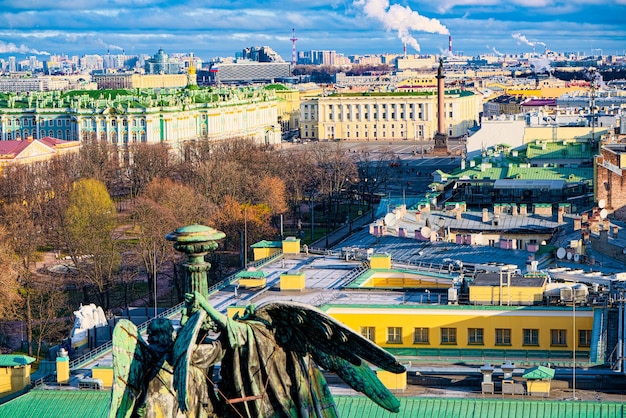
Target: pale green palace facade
x,y
130,116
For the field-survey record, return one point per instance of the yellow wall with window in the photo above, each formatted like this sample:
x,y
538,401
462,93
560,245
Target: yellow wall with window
x,y
378,320
514,295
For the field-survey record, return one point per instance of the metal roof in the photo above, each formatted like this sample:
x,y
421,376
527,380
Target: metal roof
x,y
13,360
493,279
95,404
529,184
539,372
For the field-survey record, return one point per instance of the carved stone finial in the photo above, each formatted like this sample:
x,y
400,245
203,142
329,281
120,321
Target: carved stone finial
x,y
196,241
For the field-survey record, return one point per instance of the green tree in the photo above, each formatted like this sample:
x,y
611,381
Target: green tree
x,y
89,236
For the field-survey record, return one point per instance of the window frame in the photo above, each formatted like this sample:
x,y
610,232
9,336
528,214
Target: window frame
x,y
587,339
558,338
369,333
448,336
504,335
422,333
475,336
394,335
528,339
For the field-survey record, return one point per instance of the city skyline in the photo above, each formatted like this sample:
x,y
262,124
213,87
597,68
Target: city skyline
x,y
352,27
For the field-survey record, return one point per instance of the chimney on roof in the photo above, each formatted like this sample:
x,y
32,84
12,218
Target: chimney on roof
x,y
577,224
458,214
485,215
418,217
559,215
523,211
514,209
615,231
497,209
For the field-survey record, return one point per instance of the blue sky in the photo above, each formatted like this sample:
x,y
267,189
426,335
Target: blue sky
x,y
222,27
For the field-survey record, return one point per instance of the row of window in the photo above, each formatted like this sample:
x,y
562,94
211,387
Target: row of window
x,y
42,122
142,122
26,133
476,336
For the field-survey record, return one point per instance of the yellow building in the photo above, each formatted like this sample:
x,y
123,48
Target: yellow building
x,y
473,333
292,281
14,373
386,116
264,249
291,245
29,150
135,81
506,289
288,109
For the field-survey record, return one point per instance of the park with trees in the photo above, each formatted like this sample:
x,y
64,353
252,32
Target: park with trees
x,y
104,213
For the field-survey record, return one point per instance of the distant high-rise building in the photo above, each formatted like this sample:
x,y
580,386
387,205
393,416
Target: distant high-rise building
x,y
12,65
160,63
260,54
316,57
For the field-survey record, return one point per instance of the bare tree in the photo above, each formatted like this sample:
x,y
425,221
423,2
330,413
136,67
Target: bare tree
x,y
146,162
9,285
337,170
49,312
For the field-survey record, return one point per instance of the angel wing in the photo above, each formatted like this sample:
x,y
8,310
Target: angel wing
x,y
183,350
306,330
129,356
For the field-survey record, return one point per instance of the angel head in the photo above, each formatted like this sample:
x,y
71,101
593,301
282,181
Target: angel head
x,y
160,332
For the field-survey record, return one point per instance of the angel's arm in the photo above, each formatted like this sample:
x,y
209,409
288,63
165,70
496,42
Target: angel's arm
x,y
217,317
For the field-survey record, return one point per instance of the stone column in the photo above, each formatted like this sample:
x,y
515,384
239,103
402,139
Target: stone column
x,y
196,241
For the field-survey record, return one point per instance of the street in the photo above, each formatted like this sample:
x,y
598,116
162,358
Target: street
x,y
414,173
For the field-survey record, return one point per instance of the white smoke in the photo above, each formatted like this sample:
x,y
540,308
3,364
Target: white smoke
x,y
10,48
540,65
108,46
401,19
495,51
523,39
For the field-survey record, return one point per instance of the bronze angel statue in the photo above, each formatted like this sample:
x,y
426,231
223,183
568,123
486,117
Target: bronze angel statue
x,y
269,360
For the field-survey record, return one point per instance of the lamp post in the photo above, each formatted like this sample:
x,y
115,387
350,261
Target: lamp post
x,y
573,346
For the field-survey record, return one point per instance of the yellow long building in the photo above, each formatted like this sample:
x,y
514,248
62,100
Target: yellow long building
x,y
386,116
474,333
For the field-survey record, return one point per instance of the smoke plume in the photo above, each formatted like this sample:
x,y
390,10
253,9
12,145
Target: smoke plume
x,y
401,19
495,51
108,47
10,48
523,39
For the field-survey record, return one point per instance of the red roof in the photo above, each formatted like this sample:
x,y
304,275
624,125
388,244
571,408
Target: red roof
x,y
12,147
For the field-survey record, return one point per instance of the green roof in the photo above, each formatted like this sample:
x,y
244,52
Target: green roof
x,y
557,150
267,244
569,174
245,274
358,406
58,404
13,360
539,372
95,404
